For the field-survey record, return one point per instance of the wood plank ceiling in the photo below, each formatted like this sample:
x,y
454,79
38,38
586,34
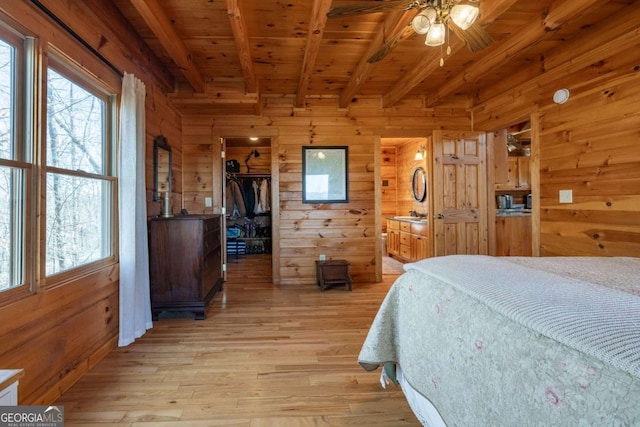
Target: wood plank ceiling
x,y
227,55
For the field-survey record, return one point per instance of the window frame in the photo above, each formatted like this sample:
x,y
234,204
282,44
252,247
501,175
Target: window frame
x,y
81,77
24,81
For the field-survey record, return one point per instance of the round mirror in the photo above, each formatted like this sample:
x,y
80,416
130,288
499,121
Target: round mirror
x,y
419,184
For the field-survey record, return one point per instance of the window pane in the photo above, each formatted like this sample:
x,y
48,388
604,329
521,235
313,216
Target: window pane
x,y
12,189
75,126
77,229
7,99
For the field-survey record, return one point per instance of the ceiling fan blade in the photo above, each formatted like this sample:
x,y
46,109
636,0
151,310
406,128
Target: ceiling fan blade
x,y
391,44
369,7
475,37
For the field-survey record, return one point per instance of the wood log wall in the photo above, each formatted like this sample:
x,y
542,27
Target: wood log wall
x,y
340,231
407,164
589,145
58,334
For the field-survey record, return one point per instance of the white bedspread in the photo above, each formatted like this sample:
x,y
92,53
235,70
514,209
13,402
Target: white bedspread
x,y
535,344
597,320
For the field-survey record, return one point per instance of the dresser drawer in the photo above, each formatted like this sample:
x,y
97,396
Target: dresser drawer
x,y
405,238
420,229
405,251
405,226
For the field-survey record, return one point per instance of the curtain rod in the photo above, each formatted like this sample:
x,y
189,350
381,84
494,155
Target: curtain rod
x,y
77,37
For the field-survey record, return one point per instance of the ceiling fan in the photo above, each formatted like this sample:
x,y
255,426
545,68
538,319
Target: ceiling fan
x,y
432,19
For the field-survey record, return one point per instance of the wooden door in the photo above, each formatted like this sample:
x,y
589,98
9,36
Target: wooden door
x,y
459,193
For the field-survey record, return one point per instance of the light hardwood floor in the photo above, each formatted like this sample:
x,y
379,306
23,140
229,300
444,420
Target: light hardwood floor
x,y
266,356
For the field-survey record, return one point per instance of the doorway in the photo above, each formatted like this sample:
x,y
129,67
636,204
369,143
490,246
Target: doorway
x,y
248,208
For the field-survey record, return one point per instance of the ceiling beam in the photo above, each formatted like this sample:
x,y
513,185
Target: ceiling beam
x,y
490,11
102,26
162,27
531,34
239,29
314,37
396,21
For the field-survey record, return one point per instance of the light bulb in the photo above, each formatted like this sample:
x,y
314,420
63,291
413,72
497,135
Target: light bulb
x,y
435,36
463,15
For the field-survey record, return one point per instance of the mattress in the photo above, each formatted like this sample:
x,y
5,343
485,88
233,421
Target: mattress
x,y
480,361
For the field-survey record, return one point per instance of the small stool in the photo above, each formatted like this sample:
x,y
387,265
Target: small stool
x,y
334,272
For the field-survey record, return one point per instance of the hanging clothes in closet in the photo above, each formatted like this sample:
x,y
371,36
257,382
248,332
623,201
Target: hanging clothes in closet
x,y
248,194
261,193
235,201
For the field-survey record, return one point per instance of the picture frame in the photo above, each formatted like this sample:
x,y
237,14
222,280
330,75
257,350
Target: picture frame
x,y
325,174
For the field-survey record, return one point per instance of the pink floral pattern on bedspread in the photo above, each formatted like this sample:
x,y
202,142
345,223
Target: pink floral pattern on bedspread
x,y
481,369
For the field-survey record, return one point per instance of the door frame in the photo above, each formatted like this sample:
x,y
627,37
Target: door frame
x,y
275,206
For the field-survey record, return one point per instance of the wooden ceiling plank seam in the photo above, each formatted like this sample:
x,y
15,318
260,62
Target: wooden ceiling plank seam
x,y
161,26
315,33
395,21
426,66
241,36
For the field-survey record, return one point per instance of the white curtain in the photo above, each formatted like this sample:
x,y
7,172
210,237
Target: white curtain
x,y
135,302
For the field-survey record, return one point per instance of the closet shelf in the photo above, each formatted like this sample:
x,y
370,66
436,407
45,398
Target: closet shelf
x,y
250,174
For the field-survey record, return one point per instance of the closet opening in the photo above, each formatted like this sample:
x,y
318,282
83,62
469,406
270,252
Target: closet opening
x,y
247,202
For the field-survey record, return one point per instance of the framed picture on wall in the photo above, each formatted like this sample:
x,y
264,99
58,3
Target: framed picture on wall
x,y
325,174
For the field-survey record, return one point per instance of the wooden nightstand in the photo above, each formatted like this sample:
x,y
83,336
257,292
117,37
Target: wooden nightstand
x,y
331,273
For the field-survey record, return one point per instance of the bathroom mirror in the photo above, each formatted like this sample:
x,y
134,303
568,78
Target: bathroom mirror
x,y
419,184
162,166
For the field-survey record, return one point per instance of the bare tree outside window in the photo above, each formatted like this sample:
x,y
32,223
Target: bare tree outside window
x,y
78,195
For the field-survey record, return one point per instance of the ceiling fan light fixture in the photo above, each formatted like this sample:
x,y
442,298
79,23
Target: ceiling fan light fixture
x,y
435,35
464,15
423,20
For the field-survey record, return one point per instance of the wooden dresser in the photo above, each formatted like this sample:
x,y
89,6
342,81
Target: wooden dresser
x,y
185,263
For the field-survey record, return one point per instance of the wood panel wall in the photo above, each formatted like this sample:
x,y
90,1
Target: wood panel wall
x,y
340,231
57,334
407,164
589,145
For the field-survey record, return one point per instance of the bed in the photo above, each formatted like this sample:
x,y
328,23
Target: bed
x,y
513,341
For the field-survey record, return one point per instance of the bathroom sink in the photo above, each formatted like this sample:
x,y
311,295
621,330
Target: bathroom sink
x,y
411,218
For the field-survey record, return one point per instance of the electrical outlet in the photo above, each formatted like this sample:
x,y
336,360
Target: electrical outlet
x,y
566,196
208,202
323,257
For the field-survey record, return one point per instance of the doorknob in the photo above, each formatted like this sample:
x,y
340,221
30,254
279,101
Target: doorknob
x,y
439,216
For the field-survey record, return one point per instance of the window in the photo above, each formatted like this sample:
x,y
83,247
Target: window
x,y
57,180
79,179
13,171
